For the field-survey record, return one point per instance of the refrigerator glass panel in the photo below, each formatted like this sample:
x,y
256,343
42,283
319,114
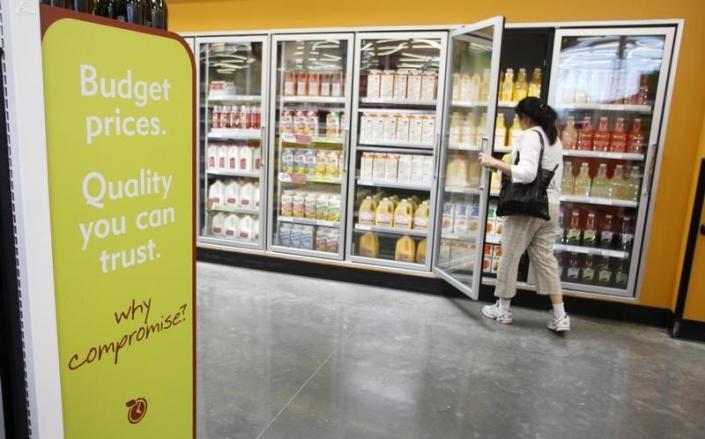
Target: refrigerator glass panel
x,y
459,254
310,145
605,93
398,121
231,115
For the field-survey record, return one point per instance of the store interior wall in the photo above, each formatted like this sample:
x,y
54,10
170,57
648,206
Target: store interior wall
x,y
663,259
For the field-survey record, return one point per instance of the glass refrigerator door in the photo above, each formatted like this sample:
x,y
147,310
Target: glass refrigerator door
x,y
607,87
232,100
309,130
396,134
471,105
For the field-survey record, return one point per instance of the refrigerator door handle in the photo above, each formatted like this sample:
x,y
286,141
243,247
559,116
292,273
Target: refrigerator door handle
x,y
262,134
649,175
437,156
485,144
485,171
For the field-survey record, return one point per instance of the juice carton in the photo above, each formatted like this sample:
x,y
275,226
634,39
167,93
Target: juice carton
x,y
416,129
378,127
366,128
405,250
246,159
379,167
300,162
448,223
391,168
295,234
332,243
257,196
287,206
310,200
322,202
390,128
321,163
257,154
444,252
288,161
298,204
311,162
428,130
334,202
321,243
417,168
366,166
461,218
307,237
427,170
474,223
233,157
213,157
256,229
332,167
404,168
403,122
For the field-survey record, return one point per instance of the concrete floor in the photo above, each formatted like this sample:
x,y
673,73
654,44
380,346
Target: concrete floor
x,y
290,357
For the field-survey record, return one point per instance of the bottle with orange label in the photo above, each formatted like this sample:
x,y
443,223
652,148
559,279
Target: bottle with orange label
x,y
601,138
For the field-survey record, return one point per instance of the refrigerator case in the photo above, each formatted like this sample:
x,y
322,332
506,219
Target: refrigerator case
x,y
468,127
309,129
397,116
232,101
608,87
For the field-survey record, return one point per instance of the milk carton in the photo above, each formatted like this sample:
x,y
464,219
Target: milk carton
x,y
448,223
285,235
391,167
417,169
404,169
461,218
366,164
246,228
427,173
379,167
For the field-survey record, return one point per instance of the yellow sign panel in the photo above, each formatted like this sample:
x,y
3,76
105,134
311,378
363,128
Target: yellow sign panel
x,y
119,118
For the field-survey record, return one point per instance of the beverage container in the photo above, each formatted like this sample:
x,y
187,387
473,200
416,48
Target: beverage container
x,y
288,161
222,162
500,131
322,206
257,158
635,139
285,235
298,204
457,171
583,182
212,156
310,205
233,118
569,136
572,272
405,250
618,137
604,272
590,231
428,129
484,85
391,168
256,229
618,185
403,128
231,226
56,3
475,86
336,84
601,137
232,195
369,245
247,195
480,129
215,117
560,233
574,233
320,243
421,252
389,133
82,6
384,215
136,10
333,164
507,89
474,173
314,83
311,162
456,94
621,275
413,85
157,14
332,243
535,84
325,84
588,271
287,203
421,216
568,183
514,131
386,89
400,80
633,184
311,127
247,232
306,237
455,130
373,83
257,196
246,158
607,231
626,237
464,87
379,163
404,215
300,122
218,224
585,134
334,203
521,86
287,122
428,85
366,163
300,161
301,83
333,125
224,117
600,184
642,97
404,168
289,83
467,132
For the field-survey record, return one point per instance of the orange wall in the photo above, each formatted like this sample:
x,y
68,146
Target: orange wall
x,y
688,106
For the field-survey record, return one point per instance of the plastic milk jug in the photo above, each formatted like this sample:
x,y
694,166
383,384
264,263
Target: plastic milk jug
x,y
405,250
421,216
246,228
385,213
247,195
222,157
403,215
232,195
369,245
216,195
217,226
246,159
368,209
231,226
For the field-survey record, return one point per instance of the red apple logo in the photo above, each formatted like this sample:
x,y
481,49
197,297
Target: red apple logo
x,y
136,410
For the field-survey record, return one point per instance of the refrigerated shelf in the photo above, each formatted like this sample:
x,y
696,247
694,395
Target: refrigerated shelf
x,y
393,185
397,144
312,99
311,140
591,251
606,107
465,147
390,230
226,173
507,104
392,101
457,237
468,104
235,98
237,210
303,179
463,190
234,134
309,221
603,155
598,201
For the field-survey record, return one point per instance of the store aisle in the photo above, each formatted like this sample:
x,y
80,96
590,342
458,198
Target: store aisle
x,y
282,356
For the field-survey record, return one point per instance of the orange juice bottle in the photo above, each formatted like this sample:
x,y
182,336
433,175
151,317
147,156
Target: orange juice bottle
x,y
405,249
521,87
384,215
569,135
369,245
421,216
403,215
535,84
421,252
368,210
507,89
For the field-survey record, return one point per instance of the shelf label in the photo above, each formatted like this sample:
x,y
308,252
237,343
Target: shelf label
x,y
122,224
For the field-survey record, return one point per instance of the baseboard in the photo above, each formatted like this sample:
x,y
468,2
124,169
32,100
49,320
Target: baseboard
x,y
575,305
688,329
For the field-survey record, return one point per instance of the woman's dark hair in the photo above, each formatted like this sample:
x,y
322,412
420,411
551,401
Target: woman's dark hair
x,y
541,114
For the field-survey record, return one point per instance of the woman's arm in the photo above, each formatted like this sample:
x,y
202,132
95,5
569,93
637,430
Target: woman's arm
x,y
490,162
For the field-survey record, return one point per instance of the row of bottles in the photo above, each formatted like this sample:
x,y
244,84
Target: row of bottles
x,y
602,139
405,248
597,230
514,91
150,13
387,212
621,186
584,86
594,270
504,136
471,87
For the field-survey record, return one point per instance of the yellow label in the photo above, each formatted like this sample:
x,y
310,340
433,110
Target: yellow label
x,y
119,138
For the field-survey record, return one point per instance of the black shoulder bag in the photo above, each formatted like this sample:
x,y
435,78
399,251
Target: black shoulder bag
x,y
528,199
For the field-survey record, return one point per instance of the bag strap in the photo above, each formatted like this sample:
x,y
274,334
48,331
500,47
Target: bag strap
x,y
541,154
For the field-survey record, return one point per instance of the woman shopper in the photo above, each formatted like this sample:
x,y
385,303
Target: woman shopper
x,y
527,233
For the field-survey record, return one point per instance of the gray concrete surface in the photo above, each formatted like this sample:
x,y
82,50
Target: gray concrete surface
x,y
282,356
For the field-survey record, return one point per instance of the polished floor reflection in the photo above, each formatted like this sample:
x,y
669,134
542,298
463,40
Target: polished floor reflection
x,y
289,357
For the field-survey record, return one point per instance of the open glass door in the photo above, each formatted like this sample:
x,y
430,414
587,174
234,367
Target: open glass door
x,y
468,127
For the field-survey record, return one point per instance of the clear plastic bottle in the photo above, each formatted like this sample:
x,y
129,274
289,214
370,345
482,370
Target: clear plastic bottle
x,y
600,184
574,233
535,84
569,136
507,86
636,139
601,137
633,184
585,135
588,272
626,237
607,232
604,272
573,269
485,85
618,137
568,183
521,86
621,276
500,131
590,231
618,184
514,131
583,182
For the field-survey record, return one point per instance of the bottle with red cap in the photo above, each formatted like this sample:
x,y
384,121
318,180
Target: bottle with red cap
x,y
601,137
585,135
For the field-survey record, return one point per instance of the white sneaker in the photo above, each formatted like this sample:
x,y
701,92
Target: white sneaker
x,y
496,312
559,325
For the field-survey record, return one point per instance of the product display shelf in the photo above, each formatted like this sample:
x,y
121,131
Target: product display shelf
x,y
502,149
309,221
312,99
464,147
507,104
598,201
303,179
397,144
469,104
393,185
605,107
591,288
228,173
370,261
237,210
234,98
234,134
233,239
390,230
603,155
397,101
463,190
591,251
311,140
396,111
388,149
458,237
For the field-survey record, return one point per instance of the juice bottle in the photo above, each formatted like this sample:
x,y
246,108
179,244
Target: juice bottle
x,y
514,131
457,84
621,275
474,173
405,249
626,237
314,84
369,245
601,184
301,83
642,97
421,252
480,129
404,215
604,272
384,215
333,125
585,135
601,137
618,138
568,183
583,182
588,275
636,139
500,131
572,272
421,216
507,86
467,132
633,184
457,171
569,136
590,231
521,87
574,233
455,131
618,184
485,85
289,83
535,84
465,85
475,87
607,232
560,236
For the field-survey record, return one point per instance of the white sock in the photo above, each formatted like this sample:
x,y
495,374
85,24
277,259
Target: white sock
x,y
558,311
504,303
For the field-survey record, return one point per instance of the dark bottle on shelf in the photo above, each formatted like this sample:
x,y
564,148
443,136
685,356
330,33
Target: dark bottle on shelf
x,y
136,11
56,3
626,238
120,7
157,14
588,274
573,270
604,273
81,5
590,231
104,8
574,233
607,232
621,277
560,233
